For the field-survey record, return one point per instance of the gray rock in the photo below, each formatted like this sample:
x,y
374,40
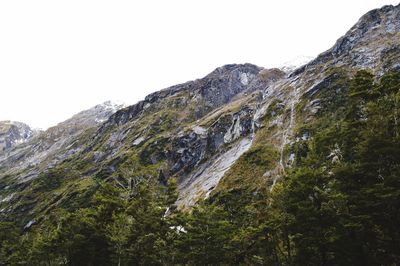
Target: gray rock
x,y
14,133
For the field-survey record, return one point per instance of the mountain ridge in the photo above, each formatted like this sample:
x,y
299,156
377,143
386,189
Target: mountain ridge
x,y
40,147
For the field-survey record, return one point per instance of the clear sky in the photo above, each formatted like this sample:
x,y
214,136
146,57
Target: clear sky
x,y
60,57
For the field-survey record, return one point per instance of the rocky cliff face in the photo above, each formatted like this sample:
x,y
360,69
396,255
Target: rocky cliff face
x,y
198,130
13,133
204,95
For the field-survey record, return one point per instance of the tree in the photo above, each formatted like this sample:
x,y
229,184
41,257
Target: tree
x,y
207,237
9,238
118,232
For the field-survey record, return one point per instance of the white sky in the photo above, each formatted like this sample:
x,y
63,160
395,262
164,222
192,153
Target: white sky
x,y
60,57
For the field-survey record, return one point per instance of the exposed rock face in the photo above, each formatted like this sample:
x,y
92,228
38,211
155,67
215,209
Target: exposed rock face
x,y
208,93
200,183
189,150
13,133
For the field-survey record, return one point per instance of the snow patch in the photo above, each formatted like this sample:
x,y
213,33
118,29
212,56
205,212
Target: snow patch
x,y
244,79
295,63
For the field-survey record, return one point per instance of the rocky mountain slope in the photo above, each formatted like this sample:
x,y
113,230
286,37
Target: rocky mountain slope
x,y
13,133
34,151
198,131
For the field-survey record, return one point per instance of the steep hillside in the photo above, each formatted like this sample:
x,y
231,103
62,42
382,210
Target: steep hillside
x,y
244,138
291,104
173,132
195,131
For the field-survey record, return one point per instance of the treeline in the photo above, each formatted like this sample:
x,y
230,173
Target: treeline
x,y
337,205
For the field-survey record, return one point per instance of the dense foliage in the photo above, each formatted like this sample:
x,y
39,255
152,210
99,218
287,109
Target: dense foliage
x,y
337,205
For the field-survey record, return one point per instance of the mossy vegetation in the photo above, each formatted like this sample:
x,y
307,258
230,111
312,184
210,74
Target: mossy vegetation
x,y
248,171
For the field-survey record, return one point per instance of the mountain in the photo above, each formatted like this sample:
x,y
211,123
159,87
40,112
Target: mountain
x,y
278,156
197,130
13,133
42,150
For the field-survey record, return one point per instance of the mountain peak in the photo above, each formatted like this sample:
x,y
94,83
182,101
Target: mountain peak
x,y
217,88
246,67
380,23
13,133
110,105
372,43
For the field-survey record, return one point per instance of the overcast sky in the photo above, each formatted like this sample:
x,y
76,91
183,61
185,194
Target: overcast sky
x,y
60,57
